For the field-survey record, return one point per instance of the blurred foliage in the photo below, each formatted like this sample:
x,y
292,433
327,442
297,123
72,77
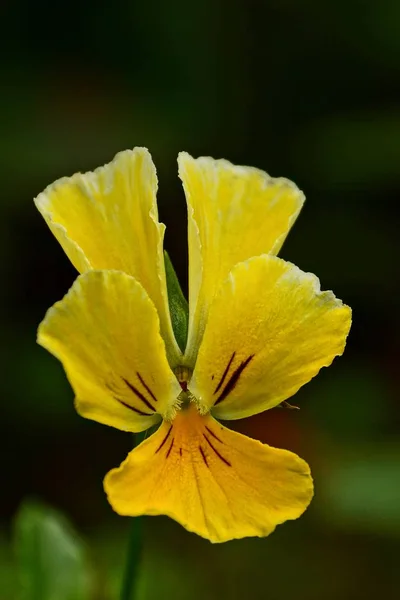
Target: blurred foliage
x,y
306,90
51,559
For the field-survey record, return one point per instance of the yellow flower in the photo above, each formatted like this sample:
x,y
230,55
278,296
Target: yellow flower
x,y
259,329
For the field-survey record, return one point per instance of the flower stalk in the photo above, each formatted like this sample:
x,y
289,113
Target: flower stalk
x,y
132,559
134,549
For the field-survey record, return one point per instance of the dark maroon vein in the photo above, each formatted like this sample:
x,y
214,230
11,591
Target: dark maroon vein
x,y
138,394
234,379
144,384
203,455
213,434
136,410
170,448
164,440
216,451
225,373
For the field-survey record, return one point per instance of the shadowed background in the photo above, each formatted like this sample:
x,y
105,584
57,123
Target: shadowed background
x,y
306,90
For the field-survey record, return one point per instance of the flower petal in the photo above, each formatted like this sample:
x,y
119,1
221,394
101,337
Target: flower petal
x,y
217,483
234,213
270,330
105,331
108,219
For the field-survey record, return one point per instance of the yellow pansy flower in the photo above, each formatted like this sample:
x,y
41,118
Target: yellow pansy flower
x,y
259,328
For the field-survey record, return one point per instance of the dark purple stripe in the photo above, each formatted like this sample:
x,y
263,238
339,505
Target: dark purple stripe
x,y
136,410
213,434
144,384
170,448
234,379
138,394
216,451
203,455
225,373
164,440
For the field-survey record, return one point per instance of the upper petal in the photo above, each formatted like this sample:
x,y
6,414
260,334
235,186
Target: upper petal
x,y
217,483
108,219
105,331
234,213
269,331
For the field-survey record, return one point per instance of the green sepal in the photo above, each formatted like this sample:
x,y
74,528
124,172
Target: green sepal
x,y
51,559
178,305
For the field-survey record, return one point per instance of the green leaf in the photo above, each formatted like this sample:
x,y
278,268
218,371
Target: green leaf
x,y
51,558
178,305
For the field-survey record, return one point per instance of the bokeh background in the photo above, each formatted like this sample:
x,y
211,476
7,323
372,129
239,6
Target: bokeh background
x,y
308,90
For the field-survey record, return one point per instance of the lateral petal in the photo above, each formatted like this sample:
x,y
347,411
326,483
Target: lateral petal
x,y
269,331
105,332
217,483
108,219
234,213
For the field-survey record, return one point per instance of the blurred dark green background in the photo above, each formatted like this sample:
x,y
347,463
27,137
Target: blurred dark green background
x,y
308,90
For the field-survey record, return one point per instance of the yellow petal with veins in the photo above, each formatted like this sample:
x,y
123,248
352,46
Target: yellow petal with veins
x,y
105,332
217,483
234,213
269,331
108,219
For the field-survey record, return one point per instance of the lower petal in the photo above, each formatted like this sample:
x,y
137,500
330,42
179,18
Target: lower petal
x,y
215,482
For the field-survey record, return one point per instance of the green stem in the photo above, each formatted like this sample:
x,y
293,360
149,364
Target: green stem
x,y
132,559
134,544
